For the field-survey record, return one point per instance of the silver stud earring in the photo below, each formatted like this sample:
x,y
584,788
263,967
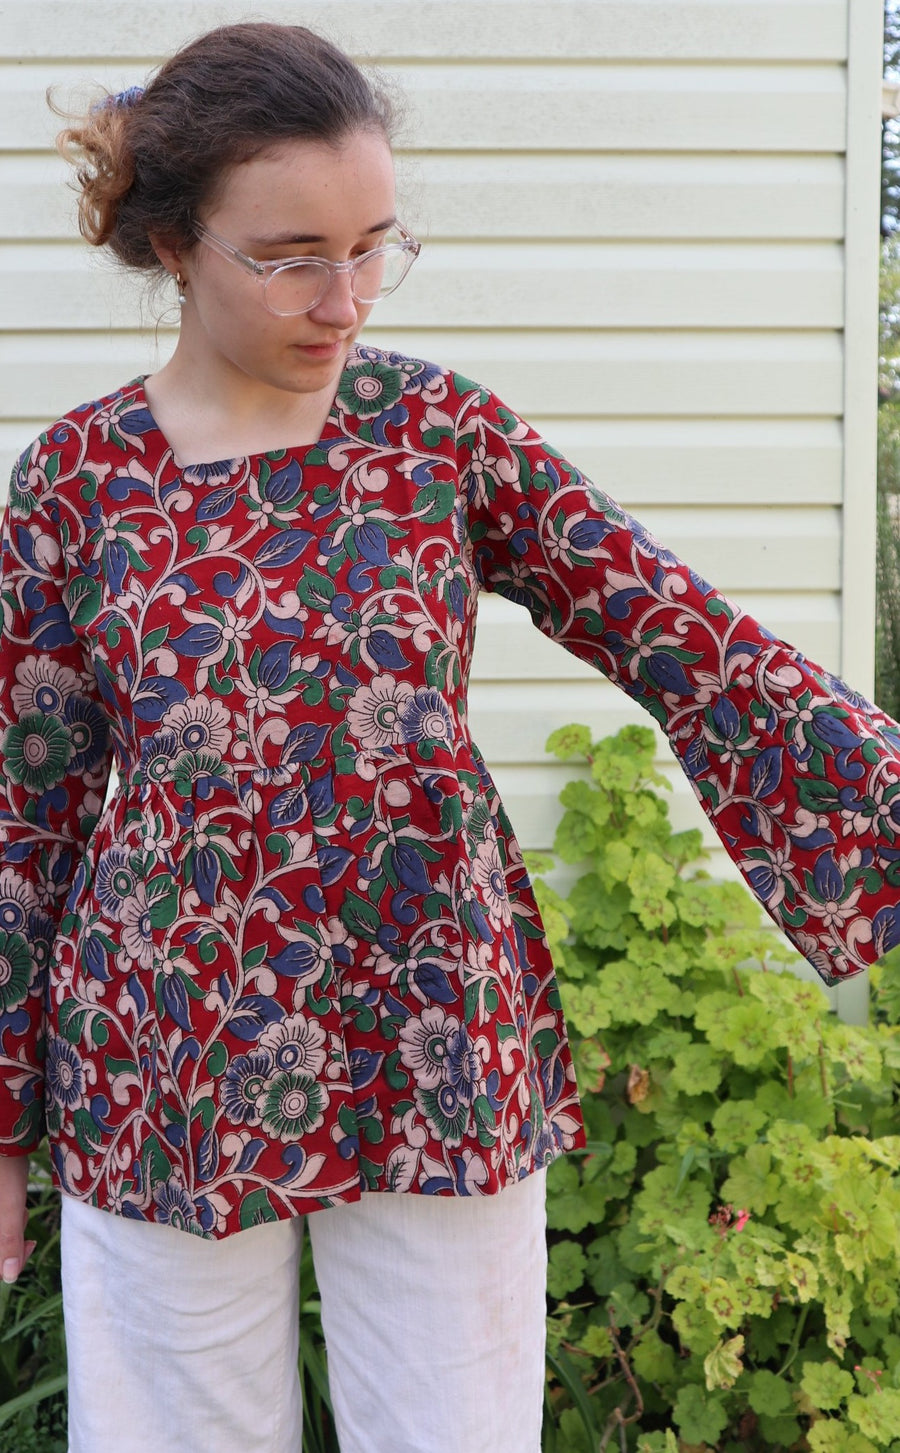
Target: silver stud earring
x,y
182,296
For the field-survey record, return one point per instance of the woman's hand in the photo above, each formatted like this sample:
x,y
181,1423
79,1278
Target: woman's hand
x,y
14,1249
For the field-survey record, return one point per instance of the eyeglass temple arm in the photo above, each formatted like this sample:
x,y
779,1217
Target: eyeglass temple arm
x,y
225,249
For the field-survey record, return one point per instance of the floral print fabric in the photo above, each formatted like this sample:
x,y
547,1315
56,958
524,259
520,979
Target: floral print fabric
x,y
297,956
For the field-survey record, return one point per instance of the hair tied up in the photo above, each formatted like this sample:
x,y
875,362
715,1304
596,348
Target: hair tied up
x,y
148,163
121,101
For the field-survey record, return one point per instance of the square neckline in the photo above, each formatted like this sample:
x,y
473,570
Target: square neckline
x,y
330,429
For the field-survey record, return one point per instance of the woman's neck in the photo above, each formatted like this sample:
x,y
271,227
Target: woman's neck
x,y
207,413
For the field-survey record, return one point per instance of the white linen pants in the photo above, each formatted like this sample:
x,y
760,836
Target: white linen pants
x,y
433,1310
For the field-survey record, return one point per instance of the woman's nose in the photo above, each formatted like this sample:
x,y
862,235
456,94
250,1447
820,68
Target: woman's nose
x,y
338,307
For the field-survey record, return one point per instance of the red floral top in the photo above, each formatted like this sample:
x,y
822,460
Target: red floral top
x,y
297,956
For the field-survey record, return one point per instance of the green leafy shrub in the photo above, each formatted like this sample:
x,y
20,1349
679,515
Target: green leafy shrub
x,y
725,1256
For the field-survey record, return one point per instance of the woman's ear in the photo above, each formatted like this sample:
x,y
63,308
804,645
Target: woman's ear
x,y
167,253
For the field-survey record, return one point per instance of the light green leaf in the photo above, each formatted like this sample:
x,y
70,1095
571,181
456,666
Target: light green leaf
x,y
825,1384
712,1014
570,741
597,1343
737,1124
835,1437
537,862
881,1297
856,1050
746,1033
730,1301
697,1070
700,1415
657,1442
586,1008
576,837
723,1366
878,1416
573,1210
803,1275
631,1305
752,1186
565,1273
636,997
697,1329
617,861
651,880
769,1393
654,1360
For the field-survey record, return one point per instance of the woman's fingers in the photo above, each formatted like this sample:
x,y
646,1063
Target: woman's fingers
x,y
13,1187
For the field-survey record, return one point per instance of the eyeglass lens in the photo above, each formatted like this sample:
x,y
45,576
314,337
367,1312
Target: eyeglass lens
x,y
299,286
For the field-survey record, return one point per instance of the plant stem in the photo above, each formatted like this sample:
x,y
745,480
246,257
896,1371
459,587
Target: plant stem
x,y
794,1347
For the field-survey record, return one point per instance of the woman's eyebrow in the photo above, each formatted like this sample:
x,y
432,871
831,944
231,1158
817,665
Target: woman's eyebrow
x,y
289,239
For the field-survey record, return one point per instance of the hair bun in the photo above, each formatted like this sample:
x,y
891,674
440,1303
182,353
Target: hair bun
x,y
147,163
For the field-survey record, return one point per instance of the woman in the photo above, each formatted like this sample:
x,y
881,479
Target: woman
x,y
296,966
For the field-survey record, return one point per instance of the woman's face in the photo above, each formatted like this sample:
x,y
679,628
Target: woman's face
x,y
299,199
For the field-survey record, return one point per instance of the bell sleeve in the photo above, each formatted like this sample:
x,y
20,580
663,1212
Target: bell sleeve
x,y
798,774
54,765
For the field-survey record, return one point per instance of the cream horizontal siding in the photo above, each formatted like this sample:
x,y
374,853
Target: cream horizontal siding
x,y
475,30
664,108
638,219
482,285
580,196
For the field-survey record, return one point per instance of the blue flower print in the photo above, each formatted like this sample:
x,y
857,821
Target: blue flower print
x,y
159,755
89,729
426,716
463,1065
65,1074
649,545
242,1084
116,880
174,1207
215,473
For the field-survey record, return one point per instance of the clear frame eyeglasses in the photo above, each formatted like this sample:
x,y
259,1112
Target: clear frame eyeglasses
x,y
296,284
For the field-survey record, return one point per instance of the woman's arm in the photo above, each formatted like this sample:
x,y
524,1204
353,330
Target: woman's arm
x,y
54,766
799,776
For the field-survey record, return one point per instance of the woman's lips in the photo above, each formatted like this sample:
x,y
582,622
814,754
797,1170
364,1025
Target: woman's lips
x,y
320,350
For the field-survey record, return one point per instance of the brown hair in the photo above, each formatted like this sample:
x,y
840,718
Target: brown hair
x,y
148,162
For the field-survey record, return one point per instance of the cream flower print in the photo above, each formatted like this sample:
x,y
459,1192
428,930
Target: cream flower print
x,y
296,1045
200,725
487,871
425,1044
17,899
484,471
374,711
42,685
137,929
